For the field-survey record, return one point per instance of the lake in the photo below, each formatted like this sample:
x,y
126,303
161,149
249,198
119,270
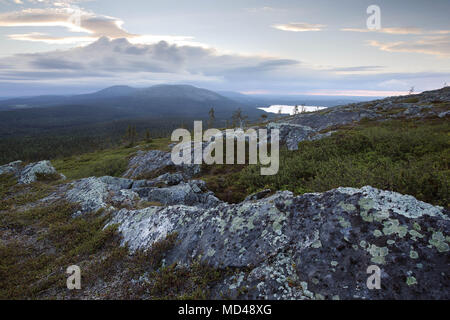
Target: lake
x,y
285,109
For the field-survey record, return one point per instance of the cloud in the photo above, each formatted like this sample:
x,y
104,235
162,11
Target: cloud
x,y
431,45
399,30
299,27
118,58
407,30
265,9
47,2
75,19
357,69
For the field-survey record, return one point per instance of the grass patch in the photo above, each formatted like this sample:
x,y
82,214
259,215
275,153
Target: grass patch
x,y
14,195
110,162
47,177
55,240
410,100
181,283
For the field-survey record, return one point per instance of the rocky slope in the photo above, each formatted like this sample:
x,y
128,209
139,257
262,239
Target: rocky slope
x,y
316,125
280,246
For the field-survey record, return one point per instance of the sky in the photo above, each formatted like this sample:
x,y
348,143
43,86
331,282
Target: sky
x,y
282,47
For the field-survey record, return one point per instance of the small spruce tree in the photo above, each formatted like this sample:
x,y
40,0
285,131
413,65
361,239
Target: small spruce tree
x,y
211,119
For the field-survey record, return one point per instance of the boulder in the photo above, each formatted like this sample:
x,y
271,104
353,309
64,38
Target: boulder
x,y
13,168
147,163
30,173
91,193
291,134
316,245
117,183
192,193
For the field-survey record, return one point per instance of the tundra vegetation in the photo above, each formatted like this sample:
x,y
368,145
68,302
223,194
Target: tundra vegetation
x,y
406,156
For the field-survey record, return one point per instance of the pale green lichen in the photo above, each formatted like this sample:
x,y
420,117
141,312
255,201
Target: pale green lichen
x,y
390,242
416,226
319,296
237,224
378,254
365,205
210,252
316,244
334,263
276,226
392,226
377,233
413,254
347,206
344,223
438,240
411,281
414,235
363,244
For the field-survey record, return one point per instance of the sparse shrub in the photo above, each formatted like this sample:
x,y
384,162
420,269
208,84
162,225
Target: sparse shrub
x,y
47,176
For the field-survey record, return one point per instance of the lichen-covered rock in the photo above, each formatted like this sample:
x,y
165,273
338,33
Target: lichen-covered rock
x,y
309,246
113,193
336,116
95,193
146,163
291,134
91,193
192,193
12,168
30,172
117,183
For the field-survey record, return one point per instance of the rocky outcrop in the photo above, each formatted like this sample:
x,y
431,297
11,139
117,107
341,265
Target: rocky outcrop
x,y
309,246
13,168
114,193
192,193
145,164
93,194
30,173
291,134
